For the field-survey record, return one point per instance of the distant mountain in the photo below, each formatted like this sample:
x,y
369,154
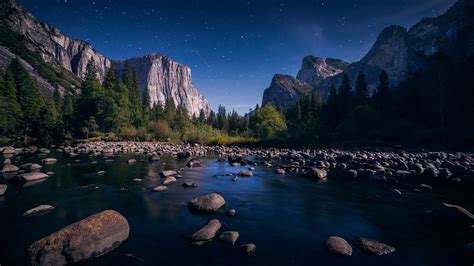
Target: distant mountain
x,y
285,90
400,52
315,69
55,60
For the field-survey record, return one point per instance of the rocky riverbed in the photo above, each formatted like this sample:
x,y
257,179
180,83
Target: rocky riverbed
x,y
219,188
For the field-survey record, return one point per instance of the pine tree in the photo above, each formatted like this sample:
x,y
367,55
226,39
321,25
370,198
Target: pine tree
x,y
361,90
331,107
130,79
170,112
345,96
10,109
202,117
156,112
222,122
146,104
383,96
212,119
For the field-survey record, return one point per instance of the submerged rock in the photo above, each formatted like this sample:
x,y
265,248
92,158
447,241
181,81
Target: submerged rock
x,y
207,203
248,249
454,215
207,232
190,184
131,161
338,246
39,209
89,238
33,176
320,174
374,247
280,171
229,237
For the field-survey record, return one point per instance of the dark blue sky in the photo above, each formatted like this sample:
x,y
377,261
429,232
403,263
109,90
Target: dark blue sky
x,y
233,47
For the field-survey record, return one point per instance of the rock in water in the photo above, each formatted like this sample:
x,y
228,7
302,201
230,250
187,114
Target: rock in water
x,y
87,239
9,168
231,212
338,246
280,171
3,189
229,237
320,174
245,173
131,161
374,247
167,173
190,184
169,180
207,232
160,188
207,203
33,176
39,209
50,160
248,248
194,163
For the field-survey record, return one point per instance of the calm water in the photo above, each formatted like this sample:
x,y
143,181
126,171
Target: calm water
x,y
287,217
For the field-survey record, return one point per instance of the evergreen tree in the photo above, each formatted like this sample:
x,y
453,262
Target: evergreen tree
x,y
345,96
361,90
131,81
146,104
212,119
383,96
222,123
170,112
202,117
156,112
10,109
331,108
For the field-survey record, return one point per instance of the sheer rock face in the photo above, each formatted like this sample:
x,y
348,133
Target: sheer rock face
x,y
315,69
285,90
167,79
54,47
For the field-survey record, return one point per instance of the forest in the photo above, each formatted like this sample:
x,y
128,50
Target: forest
x,y
432,108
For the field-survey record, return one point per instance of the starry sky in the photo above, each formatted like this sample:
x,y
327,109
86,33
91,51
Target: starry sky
x,y
233,47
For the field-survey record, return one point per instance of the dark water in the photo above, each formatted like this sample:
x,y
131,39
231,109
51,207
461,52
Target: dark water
x,y
287,217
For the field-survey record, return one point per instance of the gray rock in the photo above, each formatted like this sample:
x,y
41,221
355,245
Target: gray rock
x,y
194,163
168,180
131,161
3,189
50,160
38,209
207,232
280,171
231,212
101,173
320,174
207,203
9,168
160,188
245,173
33,176
338,246
229,237
87,239
373,246
453,215
168,173
190,184
352,173
248,249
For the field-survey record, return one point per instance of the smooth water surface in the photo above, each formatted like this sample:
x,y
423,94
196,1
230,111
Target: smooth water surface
x,y
287,217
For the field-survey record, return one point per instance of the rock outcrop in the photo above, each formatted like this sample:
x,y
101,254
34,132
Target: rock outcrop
x,y
316,69
167,79
285,90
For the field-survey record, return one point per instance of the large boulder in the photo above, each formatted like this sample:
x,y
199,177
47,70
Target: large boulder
x,y
453,215
338,246
33,176
207,203
207,232
89,238
320,174
9,168
374,247
248,249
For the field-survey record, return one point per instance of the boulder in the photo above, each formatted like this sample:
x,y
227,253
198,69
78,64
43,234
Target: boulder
x,y
338,246
207,203
320,174
131,161
229,237
453,215
374,247
50,160
194,163
280,171
169,180
3,189
248,249
245,173
352,173
168,173
160,188
9,168
190,184
33,176
39,209
87,239
207,232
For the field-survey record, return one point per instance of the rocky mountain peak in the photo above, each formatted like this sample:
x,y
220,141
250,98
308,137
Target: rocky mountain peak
x,y
285,90
315,69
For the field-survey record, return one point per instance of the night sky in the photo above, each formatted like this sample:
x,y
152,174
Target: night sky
x,y
233,47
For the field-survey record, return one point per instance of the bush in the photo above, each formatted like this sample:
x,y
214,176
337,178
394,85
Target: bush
x,y
128,133
161,130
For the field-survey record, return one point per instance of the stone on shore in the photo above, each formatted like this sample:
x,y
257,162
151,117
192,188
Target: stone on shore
x,y
207,232
87,239
33,176
374,247
229,237
207,203
320,174
39,209
338,246
248,249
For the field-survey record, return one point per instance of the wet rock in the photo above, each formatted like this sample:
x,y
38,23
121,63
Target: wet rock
x,y
87,239
137,180
194,163
207,232
32,167
352,173
101,173
235,178
453,215
3,189
190,184
374,247
445,173
245,173
320,174
378,177
338,246
248,249
154,158
33,176
9,168
160,188
229,237
397,191
344,158
132,161
7,161
425,186
39,209
50,160
168,180
280,171
168,173
207,203
231,212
